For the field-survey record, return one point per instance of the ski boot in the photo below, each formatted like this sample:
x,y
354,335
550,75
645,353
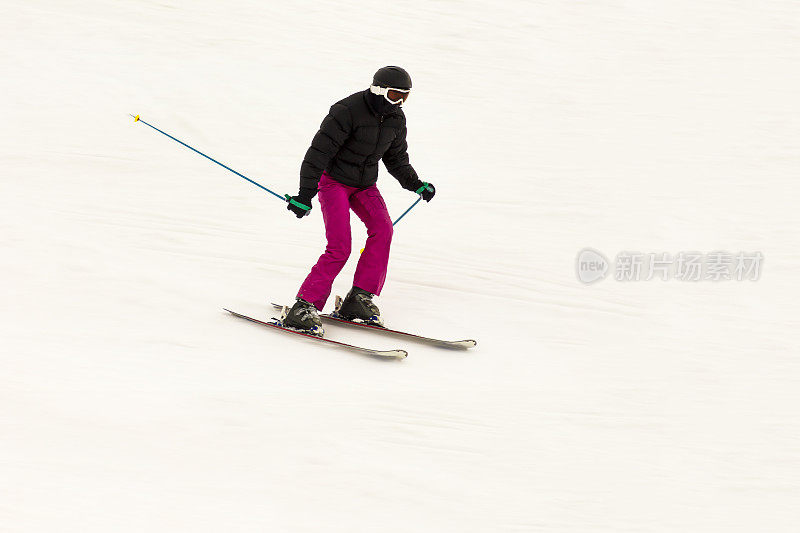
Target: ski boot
x,y
358,306
303,316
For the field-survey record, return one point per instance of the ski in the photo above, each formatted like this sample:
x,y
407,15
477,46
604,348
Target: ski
x,y
400,354
462,344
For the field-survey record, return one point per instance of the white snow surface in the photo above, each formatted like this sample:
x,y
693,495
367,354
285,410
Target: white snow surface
x,y
129,401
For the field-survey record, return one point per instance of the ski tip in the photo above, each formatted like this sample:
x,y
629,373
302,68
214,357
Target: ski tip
x,y
398,354
458,345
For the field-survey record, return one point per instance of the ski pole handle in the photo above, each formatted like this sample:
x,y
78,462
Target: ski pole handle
x,y
298,204
305,210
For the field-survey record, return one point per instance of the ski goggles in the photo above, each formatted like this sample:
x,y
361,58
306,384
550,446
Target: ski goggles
x,y
392,95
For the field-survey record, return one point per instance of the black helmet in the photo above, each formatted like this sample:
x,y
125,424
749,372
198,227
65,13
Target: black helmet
x,y
392,77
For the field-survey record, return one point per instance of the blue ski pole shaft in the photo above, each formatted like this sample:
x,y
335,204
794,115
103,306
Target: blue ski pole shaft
x,y
406,211
137,119
425,186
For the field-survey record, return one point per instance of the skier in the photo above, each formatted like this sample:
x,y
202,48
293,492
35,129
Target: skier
x,y
342,166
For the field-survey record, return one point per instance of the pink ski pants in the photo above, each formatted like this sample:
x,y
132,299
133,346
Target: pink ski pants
x,y
336,200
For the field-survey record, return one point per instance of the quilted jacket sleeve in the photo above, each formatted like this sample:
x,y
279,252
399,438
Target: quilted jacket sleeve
x,y
396,161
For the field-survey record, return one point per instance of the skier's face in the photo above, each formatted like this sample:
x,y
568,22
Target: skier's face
x,y
396,96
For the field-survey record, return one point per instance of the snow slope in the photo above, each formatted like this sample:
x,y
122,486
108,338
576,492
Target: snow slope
x,y
129,401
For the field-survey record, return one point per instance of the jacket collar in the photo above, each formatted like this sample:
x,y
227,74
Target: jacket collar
x,y
379,106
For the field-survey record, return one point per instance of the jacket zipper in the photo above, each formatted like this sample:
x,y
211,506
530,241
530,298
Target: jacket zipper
x,y
377,142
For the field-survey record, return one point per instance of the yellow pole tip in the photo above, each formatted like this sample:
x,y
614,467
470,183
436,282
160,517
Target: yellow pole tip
x,y
136,118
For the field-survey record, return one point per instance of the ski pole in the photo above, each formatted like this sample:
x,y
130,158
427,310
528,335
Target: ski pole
x,y
419,191
424,186
406,211
286,198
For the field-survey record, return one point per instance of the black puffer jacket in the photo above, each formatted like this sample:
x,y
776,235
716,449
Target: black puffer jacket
x,y
359,131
